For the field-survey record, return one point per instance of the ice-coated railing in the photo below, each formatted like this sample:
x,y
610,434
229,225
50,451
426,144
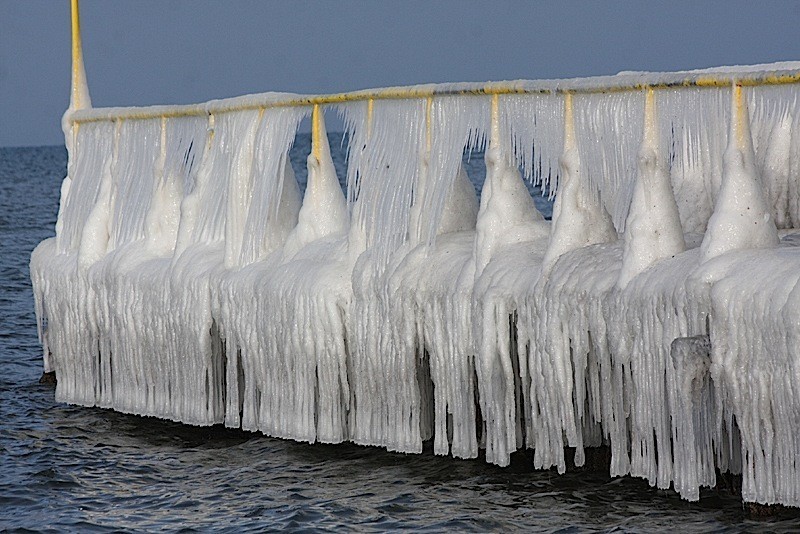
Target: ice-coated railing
x,y
656,313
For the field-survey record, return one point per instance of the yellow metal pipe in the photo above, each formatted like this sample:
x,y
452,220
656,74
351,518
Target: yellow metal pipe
x,y
569,122
316,133
650,100
650,116
77,51
79,98
494,137
492,89
370,111
740,118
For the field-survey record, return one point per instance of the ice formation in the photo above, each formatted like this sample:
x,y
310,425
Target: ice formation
x,y
656,313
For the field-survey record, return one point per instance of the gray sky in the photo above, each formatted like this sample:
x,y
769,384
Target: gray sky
x,y
164,52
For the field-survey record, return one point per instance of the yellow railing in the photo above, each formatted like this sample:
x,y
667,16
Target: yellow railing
x,y
596,85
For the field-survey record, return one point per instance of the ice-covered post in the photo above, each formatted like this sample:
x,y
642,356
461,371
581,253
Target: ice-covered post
x,y
653,228
324,208
579,218
741,217
507,214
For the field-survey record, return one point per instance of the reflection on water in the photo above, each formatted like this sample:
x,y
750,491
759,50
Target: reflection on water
x,y
72,468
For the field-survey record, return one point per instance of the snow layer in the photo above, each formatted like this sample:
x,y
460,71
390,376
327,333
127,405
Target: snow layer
x,y
656,313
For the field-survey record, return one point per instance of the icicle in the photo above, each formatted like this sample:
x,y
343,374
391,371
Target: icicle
x,y
610,166
388,170
423,185
578,217
691,357
653,227
240,185
192,200
741,217
452,125
96,232
175,171
776,172
358,119
135,180
536,126
276,196
687,120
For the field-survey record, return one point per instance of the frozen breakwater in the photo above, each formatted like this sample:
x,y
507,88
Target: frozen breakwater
x,y
657,313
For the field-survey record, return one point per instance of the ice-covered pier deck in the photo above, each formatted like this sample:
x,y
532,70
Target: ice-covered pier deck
x,y
657,313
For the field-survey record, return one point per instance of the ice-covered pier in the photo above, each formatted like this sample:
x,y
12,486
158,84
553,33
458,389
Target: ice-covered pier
x,y
657,313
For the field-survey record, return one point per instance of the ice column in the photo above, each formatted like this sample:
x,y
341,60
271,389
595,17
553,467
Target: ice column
x,y
579,219
741,217
653,227
506,208
324,208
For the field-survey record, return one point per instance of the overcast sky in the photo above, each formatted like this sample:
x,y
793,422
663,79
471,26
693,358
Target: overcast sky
x,y
163,52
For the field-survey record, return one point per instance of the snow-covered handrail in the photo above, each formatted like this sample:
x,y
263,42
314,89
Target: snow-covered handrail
x,y
752,75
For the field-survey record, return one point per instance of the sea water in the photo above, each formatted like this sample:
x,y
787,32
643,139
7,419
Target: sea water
x,y
69,468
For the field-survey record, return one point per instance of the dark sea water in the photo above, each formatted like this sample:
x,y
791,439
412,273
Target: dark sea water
x,y
64,468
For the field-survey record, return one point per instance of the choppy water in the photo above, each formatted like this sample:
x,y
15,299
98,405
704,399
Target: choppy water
x,y
77,469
